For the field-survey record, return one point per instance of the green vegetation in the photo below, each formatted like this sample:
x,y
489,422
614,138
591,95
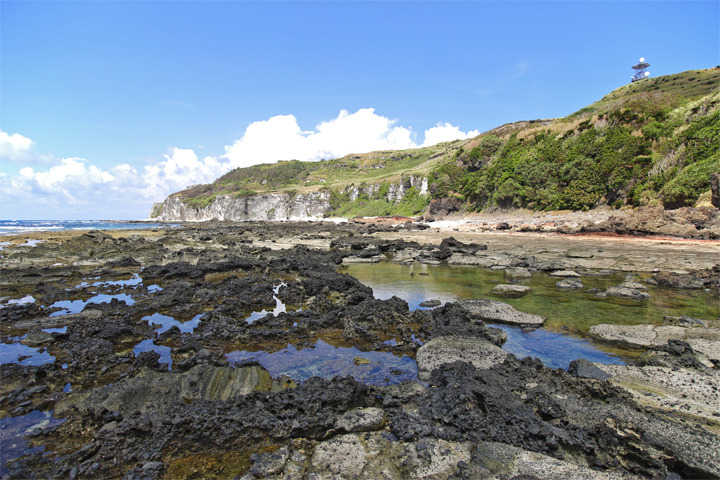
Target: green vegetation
x,y
638,146
649,143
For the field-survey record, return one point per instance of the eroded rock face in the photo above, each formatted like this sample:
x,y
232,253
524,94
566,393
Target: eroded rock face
x,y
263,207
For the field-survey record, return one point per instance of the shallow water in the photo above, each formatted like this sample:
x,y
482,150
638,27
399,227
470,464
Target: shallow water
x,y
134,281
149,345
327,361
22,301
569,313
13,431
9,353
166,323
279,307
77,306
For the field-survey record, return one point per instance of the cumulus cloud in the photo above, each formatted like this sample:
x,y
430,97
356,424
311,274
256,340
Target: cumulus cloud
x,y
74,188
180,170
444,132
281,138
16,148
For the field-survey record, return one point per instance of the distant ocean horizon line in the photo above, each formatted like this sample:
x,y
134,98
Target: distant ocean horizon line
x,y
19,227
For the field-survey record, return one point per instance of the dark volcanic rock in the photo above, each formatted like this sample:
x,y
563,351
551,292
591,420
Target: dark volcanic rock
x,y
586,369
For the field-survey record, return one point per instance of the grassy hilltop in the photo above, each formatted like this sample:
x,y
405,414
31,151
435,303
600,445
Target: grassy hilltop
x,y
653,142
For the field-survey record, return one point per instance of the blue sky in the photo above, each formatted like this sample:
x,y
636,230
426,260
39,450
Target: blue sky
x,y
109,106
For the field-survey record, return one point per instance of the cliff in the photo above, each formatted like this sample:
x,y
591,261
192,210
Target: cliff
x,y
281,206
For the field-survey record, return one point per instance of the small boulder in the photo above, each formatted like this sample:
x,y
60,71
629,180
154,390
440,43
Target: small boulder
x,y
517,272
586,369
510,291
362,420
570,284
564,273
443,350
430,303
37,339
494,311
626,292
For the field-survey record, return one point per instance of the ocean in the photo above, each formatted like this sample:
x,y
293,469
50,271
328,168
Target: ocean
x,y
15,227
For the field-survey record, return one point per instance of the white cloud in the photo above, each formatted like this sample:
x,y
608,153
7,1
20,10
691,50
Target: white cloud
x,y
280,138
74,188
179,171
444,132
15,148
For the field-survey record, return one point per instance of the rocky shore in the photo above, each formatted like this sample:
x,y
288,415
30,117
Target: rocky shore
x,y
193,403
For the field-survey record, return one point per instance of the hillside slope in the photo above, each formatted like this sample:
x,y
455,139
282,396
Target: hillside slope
x,y
654,142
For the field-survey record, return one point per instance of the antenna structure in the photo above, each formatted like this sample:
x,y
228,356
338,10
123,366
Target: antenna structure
x,y
640,72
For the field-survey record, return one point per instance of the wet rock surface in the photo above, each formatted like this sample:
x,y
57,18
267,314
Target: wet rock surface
x,y
494,311
139,331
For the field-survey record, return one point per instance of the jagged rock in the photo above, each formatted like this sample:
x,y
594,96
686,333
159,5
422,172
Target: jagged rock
x,y
267,464
494,311
362,420
439,351
510,291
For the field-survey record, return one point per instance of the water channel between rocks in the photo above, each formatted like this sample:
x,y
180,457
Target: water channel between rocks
x,y
570,314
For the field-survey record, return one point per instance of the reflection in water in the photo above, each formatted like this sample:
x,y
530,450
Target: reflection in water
x,y
55,330
13,431
327,361
22,301
76,306
167,322
555,350
132,282
569,313
279,307
10,352
149,345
